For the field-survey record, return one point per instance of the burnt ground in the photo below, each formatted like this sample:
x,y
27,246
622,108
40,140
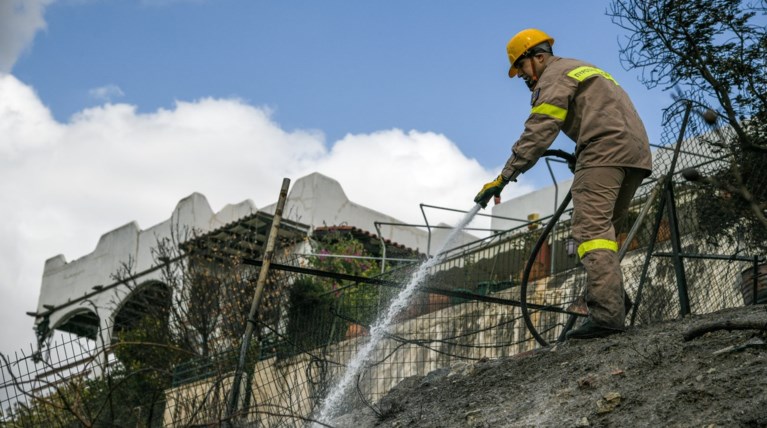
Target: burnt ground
x,y
649,376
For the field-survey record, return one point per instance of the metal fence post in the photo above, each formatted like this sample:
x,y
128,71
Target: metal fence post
x,y
667,203
676,245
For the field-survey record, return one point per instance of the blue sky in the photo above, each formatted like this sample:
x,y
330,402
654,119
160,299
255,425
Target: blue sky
x,y
113,110
336,66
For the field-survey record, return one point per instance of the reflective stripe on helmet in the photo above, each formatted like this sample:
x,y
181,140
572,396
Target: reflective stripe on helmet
x,y
597,244
550,110
582,73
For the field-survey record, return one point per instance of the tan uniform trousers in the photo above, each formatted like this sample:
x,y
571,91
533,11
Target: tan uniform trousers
x,y
601,197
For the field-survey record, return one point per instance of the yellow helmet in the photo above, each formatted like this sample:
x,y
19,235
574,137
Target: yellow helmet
x,y
522,42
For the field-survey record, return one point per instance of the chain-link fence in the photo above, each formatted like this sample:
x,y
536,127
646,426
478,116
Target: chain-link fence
x,y
170,356
705,241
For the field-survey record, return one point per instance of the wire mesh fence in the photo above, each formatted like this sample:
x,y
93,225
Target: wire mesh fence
x,y
707,240
170,354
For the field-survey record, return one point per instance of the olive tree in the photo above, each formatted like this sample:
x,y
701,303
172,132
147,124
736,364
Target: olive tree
x,y
715,50
713,53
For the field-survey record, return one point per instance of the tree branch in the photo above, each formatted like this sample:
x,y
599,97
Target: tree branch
x,y
728,325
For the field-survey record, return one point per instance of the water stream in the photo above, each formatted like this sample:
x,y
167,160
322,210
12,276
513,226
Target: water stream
x,y
377,332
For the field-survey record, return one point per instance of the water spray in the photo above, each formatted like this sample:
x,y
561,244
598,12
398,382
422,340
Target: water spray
x,y
381,326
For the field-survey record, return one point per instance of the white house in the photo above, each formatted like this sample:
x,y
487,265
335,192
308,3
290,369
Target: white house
x,y
82,296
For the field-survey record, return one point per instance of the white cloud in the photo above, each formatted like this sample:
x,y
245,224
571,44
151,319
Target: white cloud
x,y
394,171
62,185
27,125
106,92
20,20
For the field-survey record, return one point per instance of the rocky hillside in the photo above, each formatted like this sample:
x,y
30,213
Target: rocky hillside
x,y
701,371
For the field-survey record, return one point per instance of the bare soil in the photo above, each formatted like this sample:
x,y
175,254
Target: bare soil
x,y
649,376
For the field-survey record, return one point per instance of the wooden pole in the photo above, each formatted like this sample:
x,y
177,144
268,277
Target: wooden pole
x,y
251,325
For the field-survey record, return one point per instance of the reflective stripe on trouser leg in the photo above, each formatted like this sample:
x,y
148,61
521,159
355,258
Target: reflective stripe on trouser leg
x,y
597,244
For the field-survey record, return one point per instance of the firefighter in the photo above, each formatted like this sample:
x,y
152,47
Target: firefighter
x,y
612,158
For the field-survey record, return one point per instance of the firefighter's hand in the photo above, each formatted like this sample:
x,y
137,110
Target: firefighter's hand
x,y
490,190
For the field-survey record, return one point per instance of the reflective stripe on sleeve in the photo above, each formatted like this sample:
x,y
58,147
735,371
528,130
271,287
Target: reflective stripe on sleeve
x,y
550,110
582,73
597,244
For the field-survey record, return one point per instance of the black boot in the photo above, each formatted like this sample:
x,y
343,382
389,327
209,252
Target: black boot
x,y
592,330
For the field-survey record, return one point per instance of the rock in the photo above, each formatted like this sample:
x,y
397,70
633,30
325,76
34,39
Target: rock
x,y
470,416
583,422
603,407
587,382
460,368
610,401
434,376
389,407
564,393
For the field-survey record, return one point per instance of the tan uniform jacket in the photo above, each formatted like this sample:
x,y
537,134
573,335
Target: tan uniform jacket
x,y
589,106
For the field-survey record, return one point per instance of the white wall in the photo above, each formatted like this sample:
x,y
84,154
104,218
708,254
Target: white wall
x,y
64,281
318,200
315,200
